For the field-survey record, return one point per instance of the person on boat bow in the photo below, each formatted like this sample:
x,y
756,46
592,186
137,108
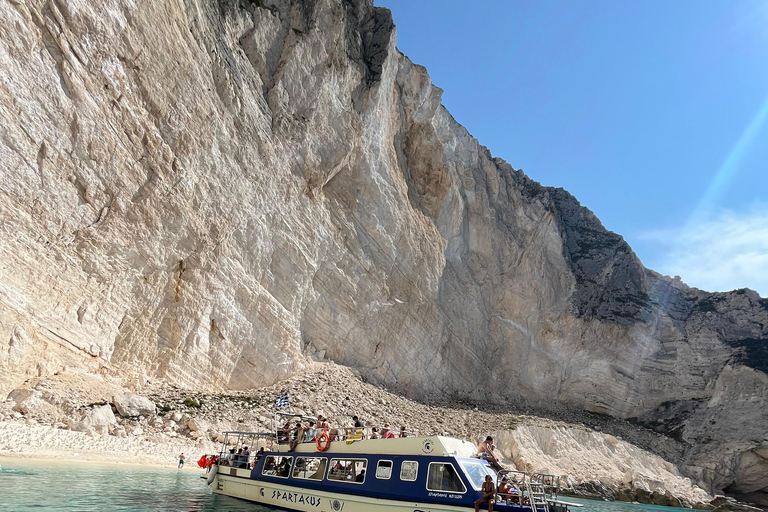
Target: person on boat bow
x,y
485,451
489,492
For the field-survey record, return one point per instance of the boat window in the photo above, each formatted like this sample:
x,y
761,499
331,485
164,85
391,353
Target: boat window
x,y
347,470
384,469
442,476
408,470
277,466
476,472
311,468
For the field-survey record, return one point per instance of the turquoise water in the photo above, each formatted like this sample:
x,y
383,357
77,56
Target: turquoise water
x,y
57,487
27,486
619,506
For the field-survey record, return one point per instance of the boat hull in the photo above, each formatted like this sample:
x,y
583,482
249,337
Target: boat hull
x,y
288,497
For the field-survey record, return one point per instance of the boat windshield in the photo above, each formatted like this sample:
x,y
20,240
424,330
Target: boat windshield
x,y
476,471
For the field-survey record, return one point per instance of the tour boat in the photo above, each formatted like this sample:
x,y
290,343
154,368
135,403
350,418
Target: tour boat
x,y
357,474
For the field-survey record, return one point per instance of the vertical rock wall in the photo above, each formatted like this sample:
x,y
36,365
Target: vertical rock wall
x,y
208,192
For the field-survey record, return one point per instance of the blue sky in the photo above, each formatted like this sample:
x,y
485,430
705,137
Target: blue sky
x,y
653,114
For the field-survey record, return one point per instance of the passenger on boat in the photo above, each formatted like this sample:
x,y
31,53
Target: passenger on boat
x,y
375,433
403,433
485,451
297,435
505,489
489,493
229,460
323,423
361,476
359,429
283,434
310,432
386,432
285,467
259,454
242,460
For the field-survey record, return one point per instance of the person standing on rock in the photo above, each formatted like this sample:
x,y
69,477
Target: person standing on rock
x,y
181,461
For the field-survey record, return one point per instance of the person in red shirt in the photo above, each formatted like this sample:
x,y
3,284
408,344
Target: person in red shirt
x,y
386,432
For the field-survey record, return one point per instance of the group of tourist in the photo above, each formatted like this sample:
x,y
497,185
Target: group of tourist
x,y
506,491
241,459
311,430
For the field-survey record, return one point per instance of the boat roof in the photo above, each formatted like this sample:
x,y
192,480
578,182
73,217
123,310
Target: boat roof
x,y
428,445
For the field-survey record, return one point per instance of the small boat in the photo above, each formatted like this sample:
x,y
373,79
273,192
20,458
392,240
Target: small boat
x,y
343,470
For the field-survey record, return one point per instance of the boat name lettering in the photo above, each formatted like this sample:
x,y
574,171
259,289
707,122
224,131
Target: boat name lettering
x,y
295,497
444,495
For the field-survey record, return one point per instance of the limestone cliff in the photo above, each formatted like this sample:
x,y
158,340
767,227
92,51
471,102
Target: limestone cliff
x,y
209,192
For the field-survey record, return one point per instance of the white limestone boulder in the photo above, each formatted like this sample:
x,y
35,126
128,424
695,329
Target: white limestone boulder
x,y
131,406
98,420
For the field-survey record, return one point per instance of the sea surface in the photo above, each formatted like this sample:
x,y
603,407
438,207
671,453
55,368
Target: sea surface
x,y
76,487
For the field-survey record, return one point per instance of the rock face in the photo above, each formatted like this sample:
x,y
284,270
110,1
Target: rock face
x,y
609,465
208,192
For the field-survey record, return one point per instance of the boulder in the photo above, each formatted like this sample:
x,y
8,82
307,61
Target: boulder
x,y
196,425
20,394
32,403
99,420
133,405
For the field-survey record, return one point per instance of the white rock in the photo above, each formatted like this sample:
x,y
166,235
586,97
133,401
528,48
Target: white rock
x,y
196,424
99,419
134,405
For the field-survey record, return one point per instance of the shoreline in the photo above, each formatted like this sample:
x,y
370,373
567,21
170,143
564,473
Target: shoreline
x,y
48,444
65,459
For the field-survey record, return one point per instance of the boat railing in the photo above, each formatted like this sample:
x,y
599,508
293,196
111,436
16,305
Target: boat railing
x,y
235,440
546,483
311,434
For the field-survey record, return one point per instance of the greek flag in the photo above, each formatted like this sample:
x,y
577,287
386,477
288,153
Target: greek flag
x,y
282,401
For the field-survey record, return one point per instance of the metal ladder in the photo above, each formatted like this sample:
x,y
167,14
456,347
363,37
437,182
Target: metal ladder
x,y
537,496
542,488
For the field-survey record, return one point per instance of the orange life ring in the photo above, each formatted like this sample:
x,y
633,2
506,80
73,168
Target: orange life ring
x,y
323,441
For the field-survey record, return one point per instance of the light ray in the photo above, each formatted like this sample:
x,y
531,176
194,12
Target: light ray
x,y
730,167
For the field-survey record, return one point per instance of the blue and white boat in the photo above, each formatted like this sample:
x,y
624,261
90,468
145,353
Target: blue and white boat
x,y
356,474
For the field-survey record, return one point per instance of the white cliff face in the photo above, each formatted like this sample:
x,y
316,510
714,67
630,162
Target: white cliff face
x,y
597,457
208,192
